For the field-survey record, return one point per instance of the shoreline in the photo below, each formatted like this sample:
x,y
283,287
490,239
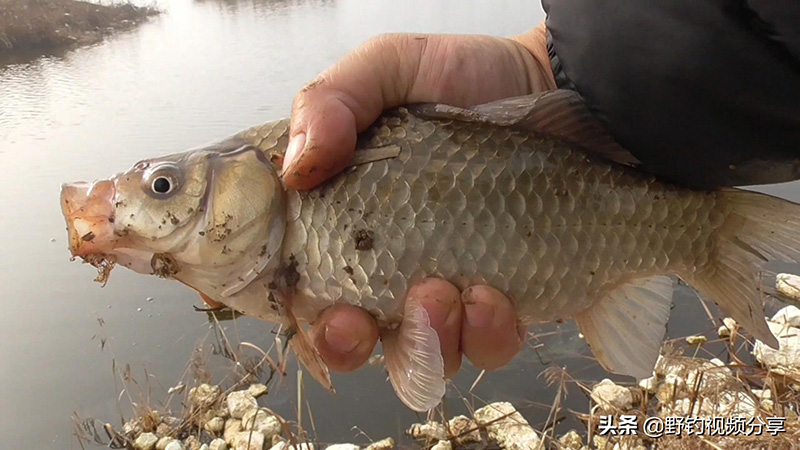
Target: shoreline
x,y
36,27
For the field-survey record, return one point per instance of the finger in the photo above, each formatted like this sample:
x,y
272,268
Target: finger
x,y
328,113
489,332
323,143
345,336
442,301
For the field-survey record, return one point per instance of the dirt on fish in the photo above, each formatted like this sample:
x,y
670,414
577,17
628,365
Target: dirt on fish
x,y
164,265
364,239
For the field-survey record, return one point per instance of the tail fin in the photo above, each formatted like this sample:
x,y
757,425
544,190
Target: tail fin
x,y
758,228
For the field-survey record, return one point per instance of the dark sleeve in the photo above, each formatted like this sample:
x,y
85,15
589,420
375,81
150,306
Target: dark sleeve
x,y
704,93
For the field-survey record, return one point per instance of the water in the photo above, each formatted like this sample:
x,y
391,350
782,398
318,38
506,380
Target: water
x,y
201,71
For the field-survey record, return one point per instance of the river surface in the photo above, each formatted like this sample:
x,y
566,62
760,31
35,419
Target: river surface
x,y
199,72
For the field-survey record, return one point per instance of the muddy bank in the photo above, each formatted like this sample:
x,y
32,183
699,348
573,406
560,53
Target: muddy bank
x,y
29,26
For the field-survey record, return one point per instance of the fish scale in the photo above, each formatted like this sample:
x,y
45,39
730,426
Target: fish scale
x,y
543,223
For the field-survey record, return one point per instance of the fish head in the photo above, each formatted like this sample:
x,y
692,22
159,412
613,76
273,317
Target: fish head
x,y
212,218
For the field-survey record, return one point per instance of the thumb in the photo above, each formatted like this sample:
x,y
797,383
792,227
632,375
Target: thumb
x,y
328,113
322,139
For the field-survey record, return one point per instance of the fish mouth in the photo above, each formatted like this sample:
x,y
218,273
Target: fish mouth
x,y
89,212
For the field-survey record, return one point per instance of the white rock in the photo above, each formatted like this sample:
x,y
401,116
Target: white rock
x,y
506,426
789,315
572,440
218,444
259,420
342,447
696,340
432,431
763,394
145,441
257,390
215,425
383,444
163,442
442,445
786,360
609,395
204,447
174,445
728,326
204,396
788,285
248,440
240,402
465,430
232,427
649,384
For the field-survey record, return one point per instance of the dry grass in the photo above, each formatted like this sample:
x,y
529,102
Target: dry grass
x,y
27,25
705,386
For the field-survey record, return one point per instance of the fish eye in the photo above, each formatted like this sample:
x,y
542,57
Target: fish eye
x,y
162,185
162,181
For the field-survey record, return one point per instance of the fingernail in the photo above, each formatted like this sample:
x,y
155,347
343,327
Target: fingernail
x,y
340,339
293,150
439,311
479,314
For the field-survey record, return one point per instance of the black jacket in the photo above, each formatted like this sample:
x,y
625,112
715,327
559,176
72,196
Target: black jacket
x,y
704,93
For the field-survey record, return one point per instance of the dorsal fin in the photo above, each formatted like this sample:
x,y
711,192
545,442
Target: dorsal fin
x,y
560,114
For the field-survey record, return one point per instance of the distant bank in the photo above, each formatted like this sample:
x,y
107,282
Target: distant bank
x,y
28,26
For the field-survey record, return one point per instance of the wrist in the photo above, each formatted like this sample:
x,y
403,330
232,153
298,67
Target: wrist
x,y
533,45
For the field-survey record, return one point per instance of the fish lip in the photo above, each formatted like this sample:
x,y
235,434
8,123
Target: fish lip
x,y
89,212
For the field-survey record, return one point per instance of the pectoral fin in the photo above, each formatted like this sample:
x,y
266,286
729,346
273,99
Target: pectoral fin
x,y
302,345
626,327
414,359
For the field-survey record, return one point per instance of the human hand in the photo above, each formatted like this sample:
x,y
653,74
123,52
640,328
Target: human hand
x,y
388,71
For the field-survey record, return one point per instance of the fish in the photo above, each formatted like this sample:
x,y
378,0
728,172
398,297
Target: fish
x,y
529,195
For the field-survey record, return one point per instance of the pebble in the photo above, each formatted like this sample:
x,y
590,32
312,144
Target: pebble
x,y
163,442
342,447
257,390
383,444
204,396
728,326
248,440
174,445
506,426
609,395
572,440
145,441
259,420
789,315
240,402
785,360
649,385
443,445
696,340
150,299
432,431
163,431
465,430
215,425
232,427
218,444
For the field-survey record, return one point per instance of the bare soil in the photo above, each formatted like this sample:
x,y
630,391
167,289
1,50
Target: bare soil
x,y
46,25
